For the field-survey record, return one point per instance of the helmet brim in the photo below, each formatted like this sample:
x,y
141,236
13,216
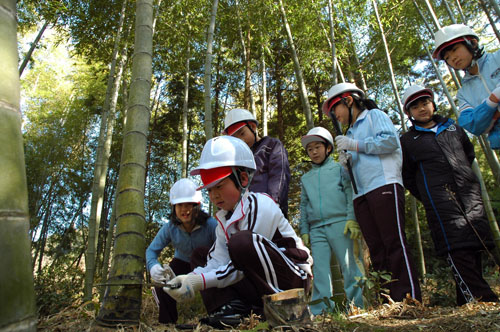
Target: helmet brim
x,y
306,139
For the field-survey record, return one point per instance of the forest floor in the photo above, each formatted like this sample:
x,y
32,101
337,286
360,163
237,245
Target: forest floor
x,y
404,316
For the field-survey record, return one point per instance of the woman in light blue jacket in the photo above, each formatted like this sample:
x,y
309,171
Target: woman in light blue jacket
x,y
375,153
327,221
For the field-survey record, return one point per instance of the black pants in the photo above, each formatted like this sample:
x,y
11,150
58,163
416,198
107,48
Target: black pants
x,y
380,214
276,274
468,273
167,305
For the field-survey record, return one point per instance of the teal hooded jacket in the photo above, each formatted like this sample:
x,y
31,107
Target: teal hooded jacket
x,y
326,196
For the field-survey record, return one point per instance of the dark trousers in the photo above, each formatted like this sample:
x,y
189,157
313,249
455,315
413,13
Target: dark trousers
x,y
167,305
468,273
267,271
380,214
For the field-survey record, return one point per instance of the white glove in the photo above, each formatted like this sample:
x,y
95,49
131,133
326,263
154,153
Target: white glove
x,y
344,159
189,284
346,143
158,274
495,95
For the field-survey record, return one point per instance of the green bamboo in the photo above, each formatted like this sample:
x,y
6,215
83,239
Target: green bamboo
x,y
122,303
17,295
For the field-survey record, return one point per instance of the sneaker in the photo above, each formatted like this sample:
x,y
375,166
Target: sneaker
x,y
230,314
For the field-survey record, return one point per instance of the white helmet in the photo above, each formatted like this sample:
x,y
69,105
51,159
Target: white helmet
x,y
184,191
317,134
450,35
415,92
223,153
237,115
339,91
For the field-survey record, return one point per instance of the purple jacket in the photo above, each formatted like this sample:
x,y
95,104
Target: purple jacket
x,y
273,171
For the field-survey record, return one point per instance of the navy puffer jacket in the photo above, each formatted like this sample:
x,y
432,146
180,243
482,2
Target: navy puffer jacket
x,y
437,171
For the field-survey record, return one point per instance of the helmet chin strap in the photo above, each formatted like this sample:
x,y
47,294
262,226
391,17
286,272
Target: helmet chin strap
x,y
243,189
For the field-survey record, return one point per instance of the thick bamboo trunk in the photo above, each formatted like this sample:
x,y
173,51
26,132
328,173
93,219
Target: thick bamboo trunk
x,y
17,295
122,299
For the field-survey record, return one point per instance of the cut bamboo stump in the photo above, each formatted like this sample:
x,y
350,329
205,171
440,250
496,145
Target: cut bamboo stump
x,y
287,308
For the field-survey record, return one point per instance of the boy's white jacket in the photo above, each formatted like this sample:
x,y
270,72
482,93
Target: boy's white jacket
x,y
260,214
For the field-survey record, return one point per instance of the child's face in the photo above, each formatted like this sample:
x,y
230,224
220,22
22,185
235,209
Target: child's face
x,y
458,56
422,109
341,112
225,194
184,212
316,151
246,135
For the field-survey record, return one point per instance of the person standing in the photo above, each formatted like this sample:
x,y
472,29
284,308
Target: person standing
x,y
437,158
375,152
327,221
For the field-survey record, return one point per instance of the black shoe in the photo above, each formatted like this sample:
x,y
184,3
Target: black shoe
x,y
230,314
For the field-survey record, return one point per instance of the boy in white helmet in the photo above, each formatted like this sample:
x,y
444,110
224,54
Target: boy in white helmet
x,y
437,158
272,175
189,228
327,221
479,96
256,251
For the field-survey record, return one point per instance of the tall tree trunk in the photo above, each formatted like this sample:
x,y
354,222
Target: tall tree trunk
x,y
306,107
389,63
122,299
34,44
354,53
100,170
496,7
185,115
418,237
450,13
279,94
332,37
264,91
490,18
208,72
462,16
17,293
107,249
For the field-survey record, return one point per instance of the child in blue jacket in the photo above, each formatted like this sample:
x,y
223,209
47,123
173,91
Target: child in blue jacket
x,y
326,218
479,96
189,228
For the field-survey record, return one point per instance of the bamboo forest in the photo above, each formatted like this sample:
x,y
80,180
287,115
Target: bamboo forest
x,y
105,105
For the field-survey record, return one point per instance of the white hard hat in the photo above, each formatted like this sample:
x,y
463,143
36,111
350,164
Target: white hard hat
x,y
450,35
339,91
317,134
223,153
415,92
237,115
184,191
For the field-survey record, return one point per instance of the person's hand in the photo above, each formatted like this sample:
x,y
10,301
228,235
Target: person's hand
x,y
346,143
183,288
158,274
495,95
305,239
353,227
345,159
